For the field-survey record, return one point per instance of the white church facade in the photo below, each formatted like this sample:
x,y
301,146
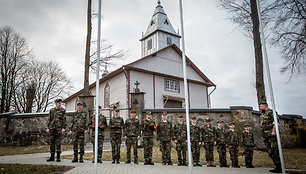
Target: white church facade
x,y
159,73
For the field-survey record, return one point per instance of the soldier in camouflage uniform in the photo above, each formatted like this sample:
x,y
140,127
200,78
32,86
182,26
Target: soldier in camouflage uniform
x,y
247,142
78,129
268,134
131,135
233,144
195,133
148,129
221,143
208,140
56,127
116,125
164,137
102,124
180,139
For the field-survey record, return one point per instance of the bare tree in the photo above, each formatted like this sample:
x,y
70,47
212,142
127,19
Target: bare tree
x,y
290,35
245,14
49,82
109,55
13,52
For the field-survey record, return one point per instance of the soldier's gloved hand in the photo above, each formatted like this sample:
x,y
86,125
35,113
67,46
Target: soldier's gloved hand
x,y
48,131
63,130
70,133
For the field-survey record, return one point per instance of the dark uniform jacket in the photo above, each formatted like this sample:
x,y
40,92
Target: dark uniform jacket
x,y
208,134
148,128
131,128
79,121
57,119
116,125
180,132
164,131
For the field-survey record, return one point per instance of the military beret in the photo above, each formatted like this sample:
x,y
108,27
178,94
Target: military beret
x,y
58,100
232,123
207,119
165,112
133,111
181,116
79,103
117,110
219,121
148,113
99,107
193,118
263,103
247,125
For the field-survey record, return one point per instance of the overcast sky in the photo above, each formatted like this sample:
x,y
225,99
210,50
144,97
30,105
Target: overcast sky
x,y
56,30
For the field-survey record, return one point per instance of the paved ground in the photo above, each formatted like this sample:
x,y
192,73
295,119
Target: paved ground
x,y
108,168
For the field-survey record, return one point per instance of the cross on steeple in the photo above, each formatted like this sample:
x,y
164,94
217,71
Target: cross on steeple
x,y
137,84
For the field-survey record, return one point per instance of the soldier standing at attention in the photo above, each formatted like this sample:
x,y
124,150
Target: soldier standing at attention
x,y
131,135
148,129
56,127
116,125
164,137
247,142
78,129
102,124
221,143
195,142
233,144
208,140
180,139
268,134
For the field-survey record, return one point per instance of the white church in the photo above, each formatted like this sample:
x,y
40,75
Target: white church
x,y
159,72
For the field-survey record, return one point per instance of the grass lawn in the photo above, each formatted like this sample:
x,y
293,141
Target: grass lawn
x,y
16,150
294,158
33,169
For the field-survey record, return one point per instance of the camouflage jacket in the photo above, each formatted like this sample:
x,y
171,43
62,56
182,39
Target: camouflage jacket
x,y
266,123
195,133
116,125
79,121
131,128
164,131
232,138
148,128
180,132
57,119
102,124
220,136
247,139
208,134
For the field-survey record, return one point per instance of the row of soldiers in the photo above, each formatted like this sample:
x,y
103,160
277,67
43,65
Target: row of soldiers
x,y
131,130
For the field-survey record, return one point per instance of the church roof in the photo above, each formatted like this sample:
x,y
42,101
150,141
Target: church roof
x,y
159,22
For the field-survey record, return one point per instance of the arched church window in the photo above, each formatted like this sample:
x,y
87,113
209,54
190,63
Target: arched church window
x,y
106,96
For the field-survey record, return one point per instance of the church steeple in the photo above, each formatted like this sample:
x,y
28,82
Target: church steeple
x,y
159,33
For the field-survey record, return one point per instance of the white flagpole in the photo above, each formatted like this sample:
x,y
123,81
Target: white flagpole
x,y
97,85
185,88
263,39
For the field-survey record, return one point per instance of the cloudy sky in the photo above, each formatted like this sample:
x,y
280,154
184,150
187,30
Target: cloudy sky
x,y
56,30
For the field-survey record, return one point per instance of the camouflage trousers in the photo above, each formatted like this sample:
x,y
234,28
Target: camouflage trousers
x,y
55,141
181,148
148,148
209,151
233,151
195,150
165,148
248,154
131,141
272,149
78,138
222,154
100,145
116,143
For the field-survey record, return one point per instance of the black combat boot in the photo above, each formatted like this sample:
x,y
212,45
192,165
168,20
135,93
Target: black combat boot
x,y
81,159
99,160
118,162
58,157
151,163
179,163
51,157
164,163
128,162
184,163
113,161
170,163
75,158
278,169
